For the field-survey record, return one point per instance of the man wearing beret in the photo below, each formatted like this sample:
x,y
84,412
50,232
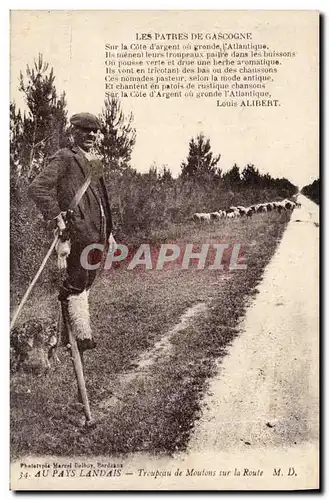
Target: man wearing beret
x,y
87,223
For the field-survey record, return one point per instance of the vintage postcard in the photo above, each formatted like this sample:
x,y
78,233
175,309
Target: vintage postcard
x,y
164,183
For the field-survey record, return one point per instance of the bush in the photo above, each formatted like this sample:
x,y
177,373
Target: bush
x,y
313,191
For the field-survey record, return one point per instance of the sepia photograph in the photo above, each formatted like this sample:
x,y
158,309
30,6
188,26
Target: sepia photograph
x,y
164,250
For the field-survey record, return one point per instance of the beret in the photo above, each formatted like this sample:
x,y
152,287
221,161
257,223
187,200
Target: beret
x,y
86,121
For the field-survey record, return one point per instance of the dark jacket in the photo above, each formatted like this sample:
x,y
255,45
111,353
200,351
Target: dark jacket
x,y
54,188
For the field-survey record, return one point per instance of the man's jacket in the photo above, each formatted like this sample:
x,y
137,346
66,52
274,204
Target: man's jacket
x,y
54,188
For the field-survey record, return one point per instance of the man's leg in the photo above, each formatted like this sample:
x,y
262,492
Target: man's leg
x,y
74,298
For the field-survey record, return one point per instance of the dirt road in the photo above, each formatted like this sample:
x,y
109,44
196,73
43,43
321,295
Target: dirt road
x,y
266,394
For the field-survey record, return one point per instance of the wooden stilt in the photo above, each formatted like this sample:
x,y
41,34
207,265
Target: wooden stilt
x,y
78,367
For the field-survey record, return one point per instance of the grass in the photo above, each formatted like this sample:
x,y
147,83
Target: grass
x,y
153,407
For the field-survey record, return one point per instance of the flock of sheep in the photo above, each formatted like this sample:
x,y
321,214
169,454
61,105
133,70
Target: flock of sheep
x,y
240,211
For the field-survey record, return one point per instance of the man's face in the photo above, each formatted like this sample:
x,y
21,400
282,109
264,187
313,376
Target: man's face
x,y
84,138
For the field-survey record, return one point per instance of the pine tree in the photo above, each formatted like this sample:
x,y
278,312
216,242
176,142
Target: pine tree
x,y
200,163
16,136
44,124
119,135
250,175
166,175
232,176
16,132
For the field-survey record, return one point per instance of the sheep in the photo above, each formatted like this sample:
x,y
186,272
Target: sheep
x,y
233,210
289,205
196,217
261,209
242,211
215,216
201,217
280,206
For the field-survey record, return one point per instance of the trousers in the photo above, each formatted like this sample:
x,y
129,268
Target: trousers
x,y
74,295
78,279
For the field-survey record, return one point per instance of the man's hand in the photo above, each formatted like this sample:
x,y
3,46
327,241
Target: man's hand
x,y
60,222
63,221
112,244
63,249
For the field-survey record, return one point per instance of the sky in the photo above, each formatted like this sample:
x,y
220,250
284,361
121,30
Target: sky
x,y
282,141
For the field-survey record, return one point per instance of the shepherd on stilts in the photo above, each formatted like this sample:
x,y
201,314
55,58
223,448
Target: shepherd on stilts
x,y
71,191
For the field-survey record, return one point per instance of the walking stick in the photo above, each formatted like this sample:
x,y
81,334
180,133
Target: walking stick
x,y
78,368
33,282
